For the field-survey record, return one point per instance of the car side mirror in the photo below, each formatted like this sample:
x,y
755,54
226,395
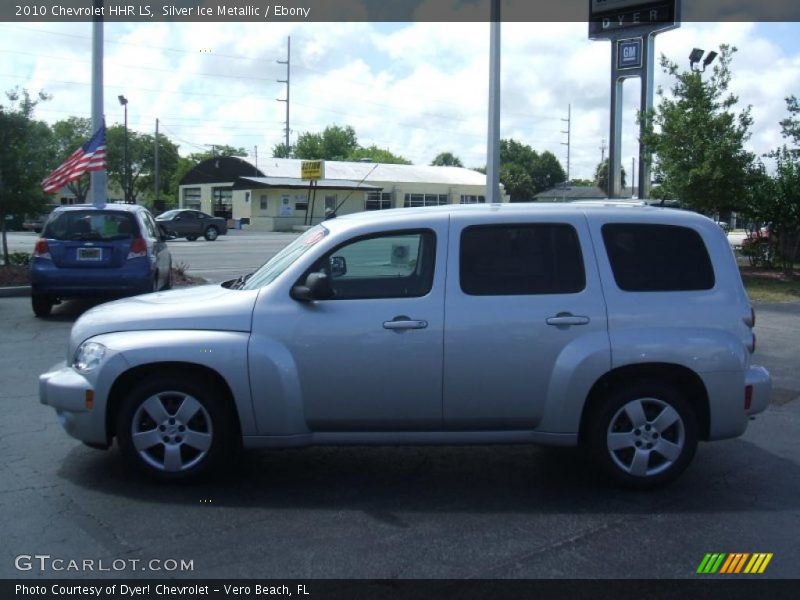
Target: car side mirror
x,y
338,266
316,287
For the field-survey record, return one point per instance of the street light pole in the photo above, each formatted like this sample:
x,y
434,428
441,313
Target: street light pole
x,y
124,102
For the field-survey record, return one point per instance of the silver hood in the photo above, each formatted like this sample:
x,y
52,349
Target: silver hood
x,y
206,307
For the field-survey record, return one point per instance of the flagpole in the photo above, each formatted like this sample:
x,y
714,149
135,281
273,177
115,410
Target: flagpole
x,y
98,179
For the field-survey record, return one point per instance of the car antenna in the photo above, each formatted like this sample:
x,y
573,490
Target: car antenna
x,y
332,214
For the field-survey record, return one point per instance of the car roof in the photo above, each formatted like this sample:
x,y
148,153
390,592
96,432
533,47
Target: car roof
x,y
111,206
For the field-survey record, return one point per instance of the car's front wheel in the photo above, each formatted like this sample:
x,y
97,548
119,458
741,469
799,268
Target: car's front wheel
x,y
211,233
42,304
174,428
644,435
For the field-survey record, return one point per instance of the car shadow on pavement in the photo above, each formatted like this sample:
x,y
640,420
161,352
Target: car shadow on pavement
x,y
70,310
729,476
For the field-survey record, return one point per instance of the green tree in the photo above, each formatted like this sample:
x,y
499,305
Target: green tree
x,y
446,159
698,140
378,155
25,146
334,143
524,172
601,176
68,135
141,161
281,151
218,150
790,126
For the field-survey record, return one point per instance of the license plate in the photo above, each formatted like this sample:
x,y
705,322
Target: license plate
x,y
90,254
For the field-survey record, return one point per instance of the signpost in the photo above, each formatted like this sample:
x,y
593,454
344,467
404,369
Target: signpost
x,y
311,170
631,27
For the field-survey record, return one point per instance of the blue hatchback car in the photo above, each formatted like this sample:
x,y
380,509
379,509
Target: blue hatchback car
x,y
86,251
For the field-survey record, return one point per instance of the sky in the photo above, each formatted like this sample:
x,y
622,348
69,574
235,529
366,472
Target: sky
x,y
417,89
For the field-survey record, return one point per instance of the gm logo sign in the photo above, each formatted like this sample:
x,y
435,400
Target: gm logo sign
x,y
629,54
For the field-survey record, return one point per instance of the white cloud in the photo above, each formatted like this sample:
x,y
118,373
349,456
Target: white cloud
x,y
416,89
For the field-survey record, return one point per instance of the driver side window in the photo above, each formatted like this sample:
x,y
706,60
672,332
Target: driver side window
x,y
396,265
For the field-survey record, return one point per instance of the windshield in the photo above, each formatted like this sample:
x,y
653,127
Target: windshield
x,y
168,215
283,259
91,225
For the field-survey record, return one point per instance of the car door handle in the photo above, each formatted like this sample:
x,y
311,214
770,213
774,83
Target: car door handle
x,y
562,319
400,323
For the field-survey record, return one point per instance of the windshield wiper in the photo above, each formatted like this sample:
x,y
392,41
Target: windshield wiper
x,y
239,282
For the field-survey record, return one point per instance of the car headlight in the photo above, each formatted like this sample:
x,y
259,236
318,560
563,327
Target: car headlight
x,y
88,356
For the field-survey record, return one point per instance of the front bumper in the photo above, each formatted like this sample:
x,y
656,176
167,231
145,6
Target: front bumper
x,y
63,388
758,377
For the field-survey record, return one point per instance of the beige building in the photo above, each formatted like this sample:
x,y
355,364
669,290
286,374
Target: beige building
x,y
273,197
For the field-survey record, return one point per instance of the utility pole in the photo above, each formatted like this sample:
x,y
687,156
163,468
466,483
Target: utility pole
x,y
256,153
288,63
493,130
568,120
157,178
602,150
633,165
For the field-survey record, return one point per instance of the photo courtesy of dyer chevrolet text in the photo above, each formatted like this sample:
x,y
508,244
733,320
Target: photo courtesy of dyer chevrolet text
x,y
161,589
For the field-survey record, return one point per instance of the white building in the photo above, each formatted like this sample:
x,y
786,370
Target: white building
x,y
273,197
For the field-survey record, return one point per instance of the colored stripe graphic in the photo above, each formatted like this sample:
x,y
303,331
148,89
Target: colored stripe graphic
x,y
758,563
711,563
734,563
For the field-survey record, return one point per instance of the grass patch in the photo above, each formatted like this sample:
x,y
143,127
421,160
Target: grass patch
x,y
771,286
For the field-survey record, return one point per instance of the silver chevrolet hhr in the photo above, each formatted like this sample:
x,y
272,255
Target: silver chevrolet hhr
x,y
625,330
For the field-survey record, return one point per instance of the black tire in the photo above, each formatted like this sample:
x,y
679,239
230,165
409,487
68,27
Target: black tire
x,y
211,233
168,282
191,238
643,435
185,446
42,305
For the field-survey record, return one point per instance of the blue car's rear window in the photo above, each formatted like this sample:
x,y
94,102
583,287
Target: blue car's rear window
x,y
91,225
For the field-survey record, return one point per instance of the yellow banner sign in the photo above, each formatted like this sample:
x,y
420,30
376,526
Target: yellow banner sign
x,y
312,169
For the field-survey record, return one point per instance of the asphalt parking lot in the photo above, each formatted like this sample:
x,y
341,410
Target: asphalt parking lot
x,y
456,512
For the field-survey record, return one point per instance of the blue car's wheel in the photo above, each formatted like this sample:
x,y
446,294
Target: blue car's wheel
x,y
42,304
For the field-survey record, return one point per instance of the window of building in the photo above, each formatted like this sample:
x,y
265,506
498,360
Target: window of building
x,y
505,260
412,200
222,202
388,265
330,203
378,201
191,198
657,258
301,205
472,199
263,201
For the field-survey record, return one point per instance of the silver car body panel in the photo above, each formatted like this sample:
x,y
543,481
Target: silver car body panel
x,y
485,369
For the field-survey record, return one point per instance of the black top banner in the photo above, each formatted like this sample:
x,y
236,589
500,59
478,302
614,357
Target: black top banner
x,y
377,10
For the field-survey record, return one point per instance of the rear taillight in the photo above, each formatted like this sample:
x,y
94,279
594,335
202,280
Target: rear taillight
x,y
41,250
138,248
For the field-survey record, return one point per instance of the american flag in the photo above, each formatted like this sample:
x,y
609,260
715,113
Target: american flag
x,y
89,157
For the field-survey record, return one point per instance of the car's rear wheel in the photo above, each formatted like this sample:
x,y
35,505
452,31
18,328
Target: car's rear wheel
x,y
42,304
174,428
211,233
191,238
644,435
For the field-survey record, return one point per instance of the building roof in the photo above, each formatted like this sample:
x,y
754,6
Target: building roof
x,y
219,169
371,172
249,183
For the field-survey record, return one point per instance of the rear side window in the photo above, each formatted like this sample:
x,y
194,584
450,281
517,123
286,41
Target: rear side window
x,y
657,258
505,260
91,225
